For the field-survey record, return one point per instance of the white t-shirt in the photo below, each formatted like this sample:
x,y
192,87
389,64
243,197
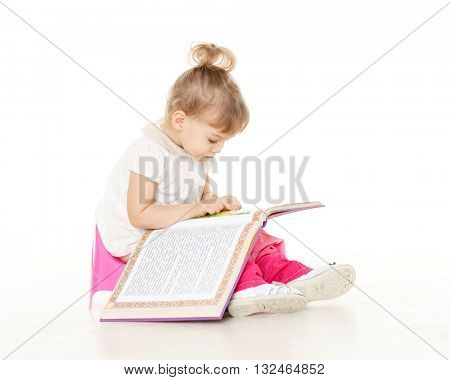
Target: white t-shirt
x,y
180,179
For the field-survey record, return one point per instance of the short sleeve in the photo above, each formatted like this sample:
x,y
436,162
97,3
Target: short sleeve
x,y
148,159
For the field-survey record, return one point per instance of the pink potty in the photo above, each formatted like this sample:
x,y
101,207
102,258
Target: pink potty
x,y
106,269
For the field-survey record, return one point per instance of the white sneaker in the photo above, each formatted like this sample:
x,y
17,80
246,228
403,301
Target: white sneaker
x,y
266,298
326,282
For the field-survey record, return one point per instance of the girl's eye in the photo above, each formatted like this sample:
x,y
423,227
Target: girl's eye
x,y
211,141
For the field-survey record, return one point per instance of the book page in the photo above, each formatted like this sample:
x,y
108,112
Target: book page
x,y
185,261
290,207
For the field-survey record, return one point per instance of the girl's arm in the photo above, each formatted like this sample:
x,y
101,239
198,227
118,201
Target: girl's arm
x,y
144,213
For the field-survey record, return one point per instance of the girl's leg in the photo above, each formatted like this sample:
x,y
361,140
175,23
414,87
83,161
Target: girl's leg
x,y
254,295
251,276
270,255
321,283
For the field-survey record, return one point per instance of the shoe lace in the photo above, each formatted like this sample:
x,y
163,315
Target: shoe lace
x,y
282,287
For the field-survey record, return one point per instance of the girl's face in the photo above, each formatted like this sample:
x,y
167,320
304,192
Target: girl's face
x,y
201,140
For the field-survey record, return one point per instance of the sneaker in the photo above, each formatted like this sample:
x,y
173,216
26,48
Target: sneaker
x,y
266,298
325,283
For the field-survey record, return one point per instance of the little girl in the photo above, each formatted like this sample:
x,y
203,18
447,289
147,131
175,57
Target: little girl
x,y
162,178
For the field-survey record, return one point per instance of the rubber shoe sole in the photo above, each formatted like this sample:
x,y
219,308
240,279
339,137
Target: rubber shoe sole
x,y
277,303
327,285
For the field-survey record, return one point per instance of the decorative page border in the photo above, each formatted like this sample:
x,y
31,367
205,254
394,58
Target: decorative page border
x,y
112,304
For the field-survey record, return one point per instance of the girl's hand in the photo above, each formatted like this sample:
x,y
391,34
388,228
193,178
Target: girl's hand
x,y
211,205
230,202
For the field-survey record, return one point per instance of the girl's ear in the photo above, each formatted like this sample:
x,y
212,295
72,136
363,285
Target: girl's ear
x,y
178,120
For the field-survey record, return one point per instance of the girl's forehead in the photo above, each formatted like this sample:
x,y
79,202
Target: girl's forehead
x,y
214,131
211,129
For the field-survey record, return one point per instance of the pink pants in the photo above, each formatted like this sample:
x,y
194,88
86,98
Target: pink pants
x,y
268,262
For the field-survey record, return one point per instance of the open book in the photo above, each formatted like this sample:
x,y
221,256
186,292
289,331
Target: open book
x,y
188,271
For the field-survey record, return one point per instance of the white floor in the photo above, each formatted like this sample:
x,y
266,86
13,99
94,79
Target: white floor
x,y
352,327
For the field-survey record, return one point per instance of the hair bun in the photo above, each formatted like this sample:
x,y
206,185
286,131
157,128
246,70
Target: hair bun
x,y
212,56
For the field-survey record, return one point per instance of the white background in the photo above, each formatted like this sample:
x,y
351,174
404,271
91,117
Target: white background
x,y
379,157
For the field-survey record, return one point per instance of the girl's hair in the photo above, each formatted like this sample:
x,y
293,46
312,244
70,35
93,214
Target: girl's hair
x,y
208,91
